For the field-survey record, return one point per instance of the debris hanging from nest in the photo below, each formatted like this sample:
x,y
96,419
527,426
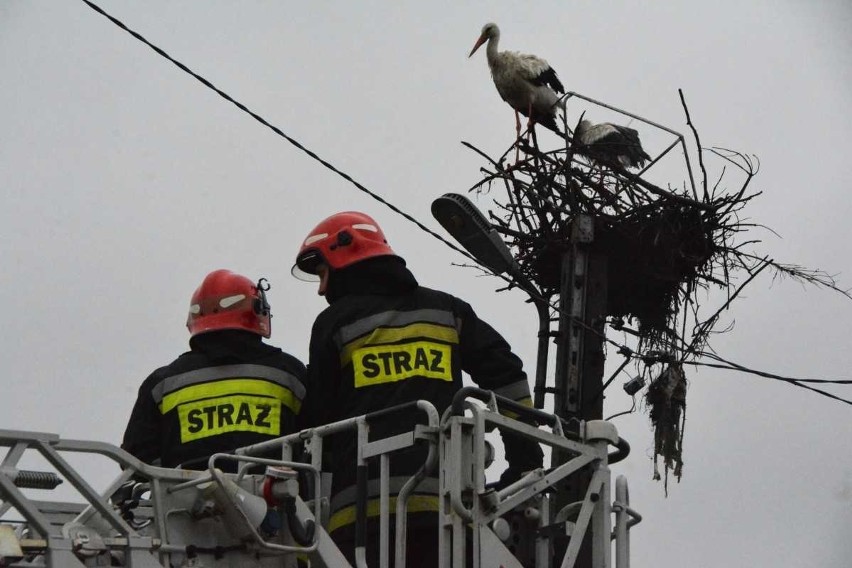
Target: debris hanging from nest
x,y
666,400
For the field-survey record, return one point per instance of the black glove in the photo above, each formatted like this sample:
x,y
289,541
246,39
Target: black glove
x,y
523,455
510,476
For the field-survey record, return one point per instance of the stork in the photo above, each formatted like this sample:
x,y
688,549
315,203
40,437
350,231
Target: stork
x,y
528,83
610,144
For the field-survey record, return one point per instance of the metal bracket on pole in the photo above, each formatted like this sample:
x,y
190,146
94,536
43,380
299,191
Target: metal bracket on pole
x,y
572,295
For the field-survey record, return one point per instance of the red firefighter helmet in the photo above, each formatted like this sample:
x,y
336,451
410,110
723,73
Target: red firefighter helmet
x,y
226,300
340,241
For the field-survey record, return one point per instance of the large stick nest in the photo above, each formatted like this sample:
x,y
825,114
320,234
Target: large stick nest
x,y
664,247
661,245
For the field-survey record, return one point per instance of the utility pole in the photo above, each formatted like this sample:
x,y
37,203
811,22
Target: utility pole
x,y
579,351
582,303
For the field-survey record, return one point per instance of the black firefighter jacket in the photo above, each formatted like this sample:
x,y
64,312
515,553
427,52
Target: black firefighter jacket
x,y
230,390
384,341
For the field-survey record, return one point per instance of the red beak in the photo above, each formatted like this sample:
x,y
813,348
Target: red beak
x,y
478,43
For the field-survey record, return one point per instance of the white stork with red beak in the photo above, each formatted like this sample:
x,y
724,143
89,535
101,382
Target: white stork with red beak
x,y
528,83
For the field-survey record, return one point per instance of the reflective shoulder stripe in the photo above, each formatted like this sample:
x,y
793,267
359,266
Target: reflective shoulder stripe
x,y
208,374
525,401
416,504
519,391
226,387
393,318
384,336
515,391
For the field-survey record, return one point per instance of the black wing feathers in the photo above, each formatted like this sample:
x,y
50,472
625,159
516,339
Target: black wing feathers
x,y
548,77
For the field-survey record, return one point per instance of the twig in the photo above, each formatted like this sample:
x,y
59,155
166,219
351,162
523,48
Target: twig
x,y
697,143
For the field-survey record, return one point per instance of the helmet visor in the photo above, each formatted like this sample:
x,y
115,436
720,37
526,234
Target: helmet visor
x,y
307,266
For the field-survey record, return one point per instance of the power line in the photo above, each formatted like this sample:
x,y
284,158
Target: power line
x,y
728,365
739,367
623,349
274,128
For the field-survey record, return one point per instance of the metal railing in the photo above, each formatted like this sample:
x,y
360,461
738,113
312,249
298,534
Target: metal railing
x,y
476,508
153,517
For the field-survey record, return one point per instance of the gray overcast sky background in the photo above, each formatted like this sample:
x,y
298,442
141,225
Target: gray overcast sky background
x,y
124,181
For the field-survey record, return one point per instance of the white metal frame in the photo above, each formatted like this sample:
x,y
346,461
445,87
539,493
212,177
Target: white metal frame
x,y
65,535
467,502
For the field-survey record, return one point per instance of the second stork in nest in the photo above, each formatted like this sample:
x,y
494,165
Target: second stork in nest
x,y
610,144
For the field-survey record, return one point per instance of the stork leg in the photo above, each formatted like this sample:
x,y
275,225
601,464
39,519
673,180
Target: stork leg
x,y
517,134
530,121
531,137
534,141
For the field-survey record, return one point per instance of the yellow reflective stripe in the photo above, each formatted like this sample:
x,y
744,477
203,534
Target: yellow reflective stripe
x,y
396,334
218,389
380,364
416,504
525,401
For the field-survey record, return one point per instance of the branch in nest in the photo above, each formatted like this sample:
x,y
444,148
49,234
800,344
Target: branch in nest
x,y
803,275
701,330
697,144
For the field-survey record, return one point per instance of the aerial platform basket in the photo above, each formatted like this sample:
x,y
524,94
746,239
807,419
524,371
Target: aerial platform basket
x,y
151,517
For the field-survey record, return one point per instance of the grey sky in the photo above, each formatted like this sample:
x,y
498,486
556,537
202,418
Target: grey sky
x,y
124,181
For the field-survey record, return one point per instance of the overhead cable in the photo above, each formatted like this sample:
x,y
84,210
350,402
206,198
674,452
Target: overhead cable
x,y
272,127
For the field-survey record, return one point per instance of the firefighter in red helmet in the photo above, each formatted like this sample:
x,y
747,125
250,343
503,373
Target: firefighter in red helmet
x,y
385,340
229,390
